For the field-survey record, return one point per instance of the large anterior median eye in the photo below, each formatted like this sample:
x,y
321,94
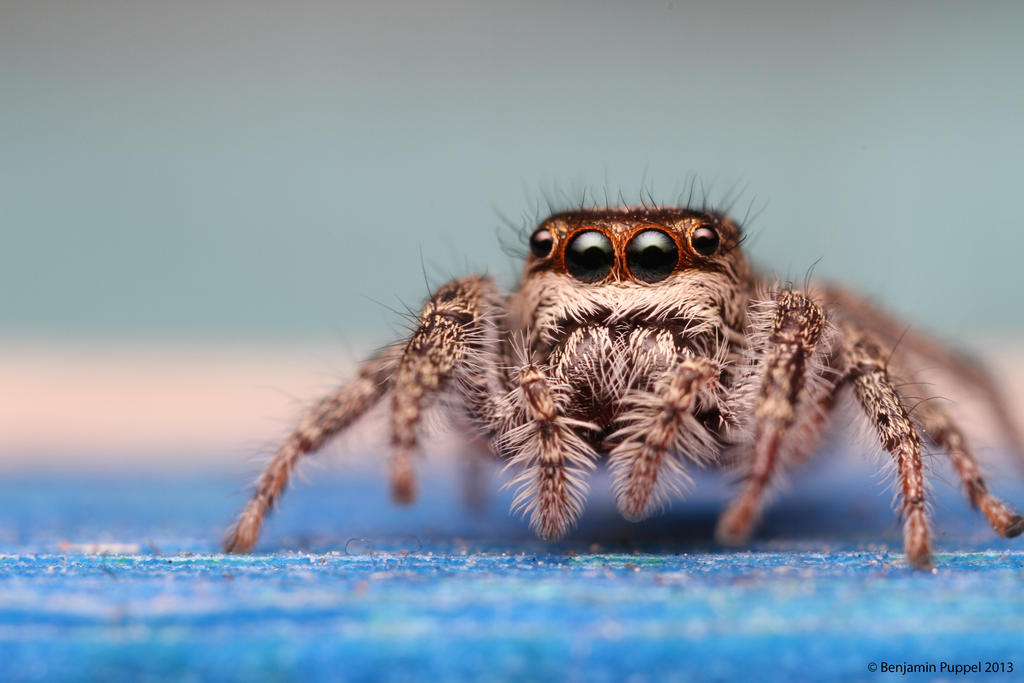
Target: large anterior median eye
x,y
651,255
589,256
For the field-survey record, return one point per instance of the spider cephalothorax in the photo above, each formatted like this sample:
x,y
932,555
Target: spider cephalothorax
x,y
641,336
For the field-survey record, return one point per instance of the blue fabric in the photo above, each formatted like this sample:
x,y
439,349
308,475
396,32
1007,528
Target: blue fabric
x,y
346,586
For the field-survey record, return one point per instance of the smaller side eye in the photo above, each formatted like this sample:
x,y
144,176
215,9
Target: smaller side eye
x,y
541,242
704,240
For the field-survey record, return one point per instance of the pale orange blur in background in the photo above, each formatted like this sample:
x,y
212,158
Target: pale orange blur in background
x,y
124,402
205,406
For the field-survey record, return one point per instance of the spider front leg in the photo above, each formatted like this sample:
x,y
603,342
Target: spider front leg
x,y
866,370
796,328
329,416
553,457
659,424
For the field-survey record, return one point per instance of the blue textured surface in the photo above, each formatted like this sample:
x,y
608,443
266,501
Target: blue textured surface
x,y
348,587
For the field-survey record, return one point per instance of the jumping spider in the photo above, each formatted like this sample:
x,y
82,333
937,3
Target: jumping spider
x,y
641,335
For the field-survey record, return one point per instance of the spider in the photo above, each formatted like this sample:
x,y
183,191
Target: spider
x,y
641,336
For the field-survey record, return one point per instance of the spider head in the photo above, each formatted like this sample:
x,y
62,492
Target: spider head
x,y
632,265
630,244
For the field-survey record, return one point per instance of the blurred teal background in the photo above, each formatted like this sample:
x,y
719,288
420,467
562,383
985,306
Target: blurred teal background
x,y
278,171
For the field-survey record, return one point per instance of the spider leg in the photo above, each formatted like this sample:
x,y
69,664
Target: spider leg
x,y
945,433
656,424
797,325
554,458
867,372
964,368
456,340
456,326
329,416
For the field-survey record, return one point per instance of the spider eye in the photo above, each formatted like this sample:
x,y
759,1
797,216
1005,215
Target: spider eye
x,y
651,255
704,240
589,256
541,242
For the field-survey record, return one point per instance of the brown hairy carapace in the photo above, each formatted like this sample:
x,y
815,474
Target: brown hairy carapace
x,y
641,337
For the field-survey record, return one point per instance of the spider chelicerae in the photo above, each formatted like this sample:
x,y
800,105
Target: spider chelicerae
x,y
641,336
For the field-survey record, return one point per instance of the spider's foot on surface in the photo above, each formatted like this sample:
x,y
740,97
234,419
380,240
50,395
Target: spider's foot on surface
x,y
1015,527
403,480
735,525
731,537
916,540
241,540
922,562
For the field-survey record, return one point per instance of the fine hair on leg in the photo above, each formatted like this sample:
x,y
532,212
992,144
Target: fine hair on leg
x,y
943,431
961,367
868,374
325,419
454,340
657,427
789,391
552,458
